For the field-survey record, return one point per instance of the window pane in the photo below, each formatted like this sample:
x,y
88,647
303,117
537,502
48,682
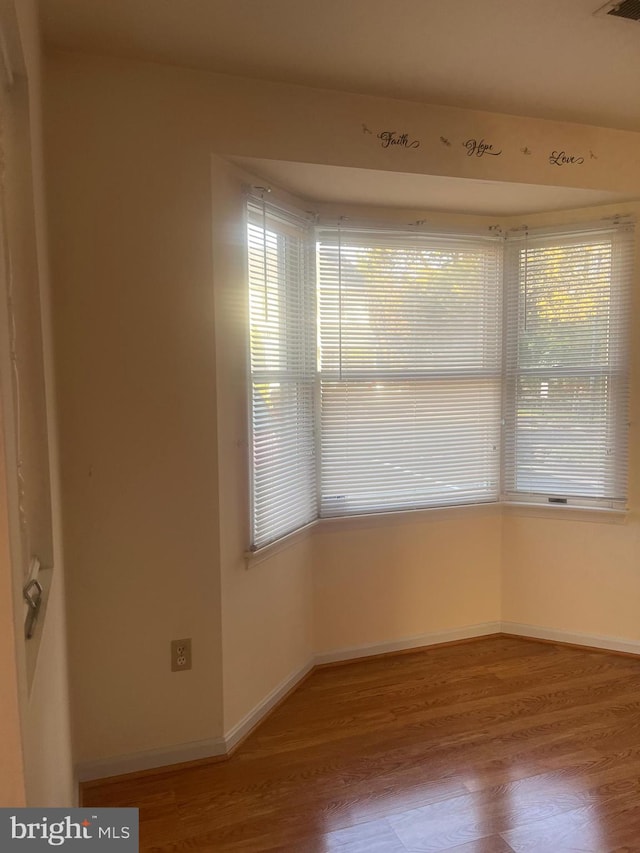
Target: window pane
x,y
566,394
283,458
405,305
564,445
394,445
565,295
282,338
410,370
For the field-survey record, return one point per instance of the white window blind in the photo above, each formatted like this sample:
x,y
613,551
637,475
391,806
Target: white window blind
x,y
283,350
566,395
410,367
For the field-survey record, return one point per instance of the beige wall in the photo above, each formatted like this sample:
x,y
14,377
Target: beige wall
x,y
575,576
130,205
150,321
251,118
266,616
379,582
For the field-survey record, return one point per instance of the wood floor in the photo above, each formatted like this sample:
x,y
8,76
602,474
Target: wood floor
x,y
493,746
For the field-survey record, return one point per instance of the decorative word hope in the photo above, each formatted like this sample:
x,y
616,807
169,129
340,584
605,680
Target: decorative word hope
x,y
390,137
480,148
561,158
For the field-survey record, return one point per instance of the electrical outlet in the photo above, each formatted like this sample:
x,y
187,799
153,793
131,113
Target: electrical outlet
x,y
180,655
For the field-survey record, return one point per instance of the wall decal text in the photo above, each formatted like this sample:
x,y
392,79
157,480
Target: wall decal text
x,y
561,158
389,138
476,146
479,148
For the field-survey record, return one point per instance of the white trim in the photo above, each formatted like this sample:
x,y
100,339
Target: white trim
x,y
103,768
535,632
221,747
409,643
213,748
242,728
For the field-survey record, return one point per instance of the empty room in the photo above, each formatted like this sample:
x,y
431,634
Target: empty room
x,y
319,398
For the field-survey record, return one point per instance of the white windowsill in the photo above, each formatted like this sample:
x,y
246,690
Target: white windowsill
x,y
601,515
411,516
254,558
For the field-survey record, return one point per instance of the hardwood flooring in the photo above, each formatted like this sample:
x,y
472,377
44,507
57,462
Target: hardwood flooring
x,y
501,745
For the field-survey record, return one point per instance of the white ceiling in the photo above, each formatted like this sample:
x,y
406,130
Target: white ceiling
x,y
542,58
344,185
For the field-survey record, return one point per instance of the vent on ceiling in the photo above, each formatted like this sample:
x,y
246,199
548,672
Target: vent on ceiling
x,y
629,9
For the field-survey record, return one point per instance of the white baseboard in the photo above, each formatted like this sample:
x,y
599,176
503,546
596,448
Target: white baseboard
x,y
612,644
215,747
242,728
150,759
418,642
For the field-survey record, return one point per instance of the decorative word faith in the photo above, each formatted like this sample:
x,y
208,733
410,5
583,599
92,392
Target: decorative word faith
x,y
390,137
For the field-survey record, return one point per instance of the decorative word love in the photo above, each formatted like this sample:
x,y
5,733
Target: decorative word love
x,y
480,148
561,158
390,137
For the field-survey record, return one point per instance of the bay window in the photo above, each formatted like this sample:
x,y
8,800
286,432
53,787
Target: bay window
x,y
398,369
